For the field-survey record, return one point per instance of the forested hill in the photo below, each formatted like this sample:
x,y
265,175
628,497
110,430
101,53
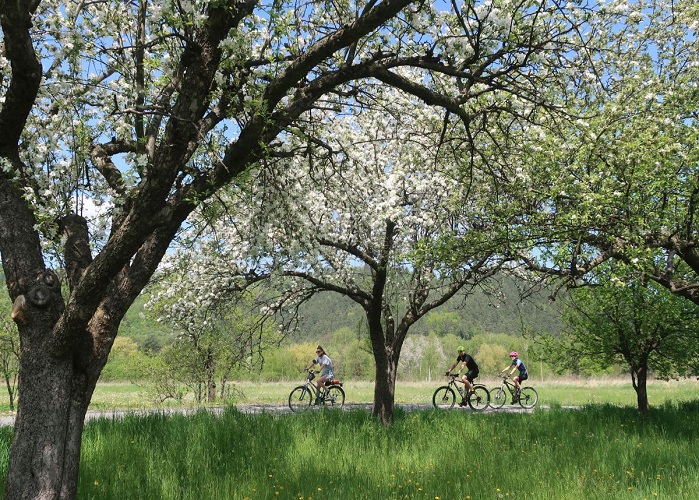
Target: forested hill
x,y
464,316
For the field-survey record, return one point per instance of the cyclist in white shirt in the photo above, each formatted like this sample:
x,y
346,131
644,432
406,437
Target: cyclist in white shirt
x,y
326,367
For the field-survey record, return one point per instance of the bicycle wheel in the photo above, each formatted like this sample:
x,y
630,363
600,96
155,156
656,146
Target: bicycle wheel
x,y
300,399
479,399
444,398
498,397
335,397
528,397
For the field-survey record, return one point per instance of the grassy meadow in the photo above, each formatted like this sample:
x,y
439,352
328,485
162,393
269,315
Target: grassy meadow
x,y
564,391
604,450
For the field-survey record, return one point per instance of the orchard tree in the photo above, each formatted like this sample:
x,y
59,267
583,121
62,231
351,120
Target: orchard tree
x,y
118,119
640,325
367,216
366,222
211,339
621,181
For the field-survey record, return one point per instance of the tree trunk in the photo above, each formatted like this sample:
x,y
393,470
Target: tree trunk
x,y
386,346
10,376
222,390
224,381
210,378
59,369
45,453
639,378
384,387
10,392
63,352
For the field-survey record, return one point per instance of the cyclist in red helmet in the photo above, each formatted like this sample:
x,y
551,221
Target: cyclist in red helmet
x,y
516,364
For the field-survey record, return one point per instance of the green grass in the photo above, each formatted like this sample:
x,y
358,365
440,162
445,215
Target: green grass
x,y
557,392
554,392
601,451
604,450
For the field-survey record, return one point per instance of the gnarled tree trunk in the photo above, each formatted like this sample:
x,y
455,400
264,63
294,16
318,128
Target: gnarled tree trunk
x,y
48,428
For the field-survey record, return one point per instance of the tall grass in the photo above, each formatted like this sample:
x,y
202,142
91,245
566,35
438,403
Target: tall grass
x,y
600,451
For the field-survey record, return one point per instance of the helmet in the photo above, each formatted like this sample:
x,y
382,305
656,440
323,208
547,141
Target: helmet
x,y
461,348
514,354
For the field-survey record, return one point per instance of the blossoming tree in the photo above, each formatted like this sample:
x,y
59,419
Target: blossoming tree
x,y
620,182
118,119
367,215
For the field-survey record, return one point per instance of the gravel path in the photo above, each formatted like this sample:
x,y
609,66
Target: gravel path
x,y
253,408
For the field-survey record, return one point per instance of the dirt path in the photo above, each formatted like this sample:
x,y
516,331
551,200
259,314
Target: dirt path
x,y
251,408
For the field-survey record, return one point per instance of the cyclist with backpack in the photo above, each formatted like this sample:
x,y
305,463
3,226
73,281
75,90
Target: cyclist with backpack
x,y
516,364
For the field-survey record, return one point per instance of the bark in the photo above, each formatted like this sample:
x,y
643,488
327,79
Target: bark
x,y
381,333
224,381
387,348
48,428
385,340
59,371
384,387
639,378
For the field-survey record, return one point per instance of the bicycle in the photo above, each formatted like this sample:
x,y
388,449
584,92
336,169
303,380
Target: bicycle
x,y
304,396
527,396
444,397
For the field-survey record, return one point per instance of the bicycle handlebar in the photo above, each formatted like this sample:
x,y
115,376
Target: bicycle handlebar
x,y
311,373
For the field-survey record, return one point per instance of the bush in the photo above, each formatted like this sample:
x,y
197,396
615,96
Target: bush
x,y
125,361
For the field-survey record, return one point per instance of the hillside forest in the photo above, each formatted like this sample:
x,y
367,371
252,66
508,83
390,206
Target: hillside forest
x,y
489,323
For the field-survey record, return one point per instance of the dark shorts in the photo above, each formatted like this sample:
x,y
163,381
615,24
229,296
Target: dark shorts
x,y
522,378
471,375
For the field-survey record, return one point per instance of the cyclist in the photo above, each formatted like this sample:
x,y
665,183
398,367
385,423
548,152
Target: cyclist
x,y
468,362
516,364
326,369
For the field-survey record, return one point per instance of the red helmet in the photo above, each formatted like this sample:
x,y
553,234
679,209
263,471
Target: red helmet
x,y
514,354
